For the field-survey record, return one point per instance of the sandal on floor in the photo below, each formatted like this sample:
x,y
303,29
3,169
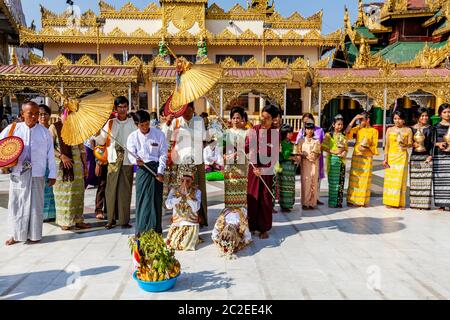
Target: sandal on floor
x,y
110,226
82,226
66,228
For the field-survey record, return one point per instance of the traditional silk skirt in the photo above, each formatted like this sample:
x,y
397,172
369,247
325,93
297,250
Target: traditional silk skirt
x,y
441,180
336,179
183,238
360,181
235,186
421,179
395,180
49,200
286,181
69,195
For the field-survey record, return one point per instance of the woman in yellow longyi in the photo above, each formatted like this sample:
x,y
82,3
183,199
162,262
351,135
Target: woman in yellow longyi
x,y
358,193
398,139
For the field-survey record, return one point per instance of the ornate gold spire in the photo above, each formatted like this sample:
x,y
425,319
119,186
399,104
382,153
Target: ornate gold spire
x,y
361,14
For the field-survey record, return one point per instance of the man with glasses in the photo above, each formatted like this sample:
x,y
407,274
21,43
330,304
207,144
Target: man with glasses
x,y
119,182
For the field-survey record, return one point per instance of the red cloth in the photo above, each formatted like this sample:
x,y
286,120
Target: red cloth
x,y
259,200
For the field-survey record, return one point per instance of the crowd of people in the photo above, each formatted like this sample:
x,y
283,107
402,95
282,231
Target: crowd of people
x,y
169,157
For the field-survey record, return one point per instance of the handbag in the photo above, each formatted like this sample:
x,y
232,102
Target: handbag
x,y
101,152
11,148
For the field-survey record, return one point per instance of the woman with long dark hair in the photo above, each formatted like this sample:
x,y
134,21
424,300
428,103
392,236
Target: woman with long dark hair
x,y
319,134
235,169
366,143
398,140
259,145
335,144
420,166
441,159
287,176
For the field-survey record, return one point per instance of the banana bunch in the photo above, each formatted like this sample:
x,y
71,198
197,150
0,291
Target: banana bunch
x,y
157,261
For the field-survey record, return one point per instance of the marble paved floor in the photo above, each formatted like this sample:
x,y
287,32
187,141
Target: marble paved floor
x,y
372,253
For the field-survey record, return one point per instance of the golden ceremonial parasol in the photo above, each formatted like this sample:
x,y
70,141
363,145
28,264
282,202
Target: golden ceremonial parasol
x,y
85,117
193,82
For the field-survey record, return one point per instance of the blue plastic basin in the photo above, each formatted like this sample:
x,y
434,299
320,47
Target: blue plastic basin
x,y
158,286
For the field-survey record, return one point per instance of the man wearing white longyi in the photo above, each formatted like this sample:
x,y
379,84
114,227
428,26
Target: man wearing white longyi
x,y
27,179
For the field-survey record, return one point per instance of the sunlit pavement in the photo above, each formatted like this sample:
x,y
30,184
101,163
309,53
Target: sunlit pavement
x,y
371,253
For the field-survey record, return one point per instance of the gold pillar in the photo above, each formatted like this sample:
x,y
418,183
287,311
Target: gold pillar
x,y
407,102
439,101
341,103
352,104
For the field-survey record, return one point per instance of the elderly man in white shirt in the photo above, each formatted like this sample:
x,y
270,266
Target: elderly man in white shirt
x,y
27,179
188,134
150,146
119,182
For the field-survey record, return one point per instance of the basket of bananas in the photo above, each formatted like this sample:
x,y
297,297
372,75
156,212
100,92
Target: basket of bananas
x,y
156,268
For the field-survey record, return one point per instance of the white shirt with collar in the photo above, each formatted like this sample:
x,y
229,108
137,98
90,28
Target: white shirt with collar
x,y
38,149
189,139
149,147
212,156
120,130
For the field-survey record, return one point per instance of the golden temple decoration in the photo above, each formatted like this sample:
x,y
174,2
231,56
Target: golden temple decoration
x,y
110,61
276,63
35,59
292,35
130,11
400,8
205,60
366,60
158,61
85,61
61,59
361,14
322,63
299,63
140,37
252,63
117,33
134,61
229,63
428,57
139,33
248,34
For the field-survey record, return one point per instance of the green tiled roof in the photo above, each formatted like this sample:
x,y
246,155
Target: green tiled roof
x,y
400,52
365,33
352,52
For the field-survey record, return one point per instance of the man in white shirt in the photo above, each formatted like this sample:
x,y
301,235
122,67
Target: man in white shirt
x,y
188,134
119,183
213,158
27,179
150,145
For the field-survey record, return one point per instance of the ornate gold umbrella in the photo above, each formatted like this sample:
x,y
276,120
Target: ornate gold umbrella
x,y
85,117
193,82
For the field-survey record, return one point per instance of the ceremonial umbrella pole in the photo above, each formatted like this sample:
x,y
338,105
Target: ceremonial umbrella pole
x,y
193,82
130,152
84,118
246,156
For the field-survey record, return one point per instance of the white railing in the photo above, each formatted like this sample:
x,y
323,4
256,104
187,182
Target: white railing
x,y
294,121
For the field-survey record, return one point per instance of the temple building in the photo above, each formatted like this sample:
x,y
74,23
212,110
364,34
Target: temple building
x,y
267,58
395,55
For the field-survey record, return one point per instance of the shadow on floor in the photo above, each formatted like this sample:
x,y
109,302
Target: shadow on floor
x,y
358,225
42,282
202,281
